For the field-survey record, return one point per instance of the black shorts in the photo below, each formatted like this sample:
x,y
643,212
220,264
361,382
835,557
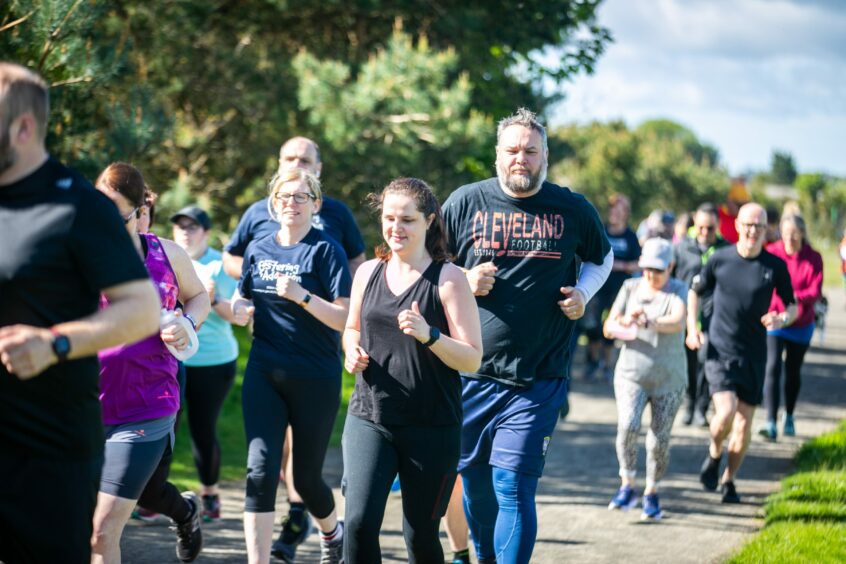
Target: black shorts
x,y
743,376
46,508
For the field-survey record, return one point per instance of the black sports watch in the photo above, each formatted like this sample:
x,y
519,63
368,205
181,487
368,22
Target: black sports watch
x,y
434,335
61,345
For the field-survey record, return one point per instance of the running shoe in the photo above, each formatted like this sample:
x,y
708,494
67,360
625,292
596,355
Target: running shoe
x,y
710,473
332,551
395,486
189,536
768,430
699,420
729,493
688,417
788,428
651,508
292,536
149,517
211,508
461,557
624,500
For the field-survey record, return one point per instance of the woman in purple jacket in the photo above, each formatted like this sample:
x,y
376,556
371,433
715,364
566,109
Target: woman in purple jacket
x,y
806,273
139,392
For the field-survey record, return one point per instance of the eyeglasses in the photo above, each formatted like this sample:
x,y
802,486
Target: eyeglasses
x,y
128,217
751,226
299,197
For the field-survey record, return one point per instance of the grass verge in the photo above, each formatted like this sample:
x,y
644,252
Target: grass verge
x,y
230,430
806,520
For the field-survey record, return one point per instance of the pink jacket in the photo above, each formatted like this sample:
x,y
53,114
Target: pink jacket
x,y
806,274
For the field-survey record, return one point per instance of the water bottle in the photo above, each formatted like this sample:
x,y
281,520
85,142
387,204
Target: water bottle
x,y
168,318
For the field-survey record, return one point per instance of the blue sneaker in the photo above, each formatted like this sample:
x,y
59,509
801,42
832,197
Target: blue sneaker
x,y
395,487
768,430
624,500
651,508
788,428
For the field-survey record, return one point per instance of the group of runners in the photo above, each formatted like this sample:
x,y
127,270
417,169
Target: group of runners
x,y
459,334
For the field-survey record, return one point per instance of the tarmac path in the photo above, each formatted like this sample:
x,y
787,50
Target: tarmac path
x,y
581,477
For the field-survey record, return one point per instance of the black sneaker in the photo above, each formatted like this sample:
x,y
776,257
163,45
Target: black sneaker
x,y
189,536
710,473
729,493
292,535
688,417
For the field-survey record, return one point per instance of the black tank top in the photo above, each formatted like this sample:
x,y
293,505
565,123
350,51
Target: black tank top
x,y
405,383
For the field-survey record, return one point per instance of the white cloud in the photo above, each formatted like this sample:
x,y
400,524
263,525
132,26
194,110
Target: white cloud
x,y
747,76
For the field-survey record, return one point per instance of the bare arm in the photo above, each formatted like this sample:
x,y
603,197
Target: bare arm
x,y
356,358
673,322
332,314
355,262
694,338
132,314
192,293
232,265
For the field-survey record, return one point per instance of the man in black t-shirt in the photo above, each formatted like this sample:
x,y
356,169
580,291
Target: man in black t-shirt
x,y
62,244
742,278
517,237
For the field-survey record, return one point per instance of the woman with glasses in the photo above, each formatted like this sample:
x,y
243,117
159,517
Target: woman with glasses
x,y
787,346
295,283
139,392
649,314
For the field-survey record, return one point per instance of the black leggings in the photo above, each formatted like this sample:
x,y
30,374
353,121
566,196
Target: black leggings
x,y
271,401
426,459
794,355
206,388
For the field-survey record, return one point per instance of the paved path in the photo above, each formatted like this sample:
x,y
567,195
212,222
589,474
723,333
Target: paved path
x,y
581,477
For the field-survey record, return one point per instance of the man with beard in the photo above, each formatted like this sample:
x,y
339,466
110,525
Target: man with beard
x,y
742,278
62,244
517,237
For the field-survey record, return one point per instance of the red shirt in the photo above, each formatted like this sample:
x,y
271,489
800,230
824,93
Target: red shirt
x,y
727,227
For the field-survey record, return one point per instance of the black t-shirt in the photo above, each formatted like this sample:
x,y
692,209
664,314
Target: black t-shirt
x,y
335,219
533,242
742,290
404,383
286,336
626,248
62,243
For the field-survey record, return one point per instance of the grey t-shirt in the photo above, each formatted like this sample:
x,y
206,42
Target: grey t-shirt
x,y
658,364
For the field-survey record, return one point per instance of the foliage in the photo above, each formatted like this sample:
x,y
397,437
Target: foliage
x,y
200,95
806,520
823,202
660,164
782,168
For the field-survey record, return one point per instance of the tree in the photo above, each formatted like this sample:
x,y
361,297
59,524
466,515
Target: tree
x,y
782,168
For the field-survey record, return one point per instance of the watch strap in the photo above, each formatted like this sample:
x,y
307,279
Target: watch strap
x,y
434,335
306,300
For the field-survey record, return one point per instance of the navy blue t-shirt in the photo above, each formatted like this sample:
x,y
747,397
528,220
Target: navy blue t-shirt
x,y
286,336
742,290
533,242
335,219
626,248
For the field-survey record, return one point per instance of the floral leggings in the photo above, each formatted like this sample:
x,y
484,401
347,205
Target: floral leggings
x,y
631,401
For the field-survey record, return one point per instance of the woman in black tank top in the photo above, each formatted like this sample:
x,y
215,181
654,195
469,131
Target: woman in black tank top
x,y
413,325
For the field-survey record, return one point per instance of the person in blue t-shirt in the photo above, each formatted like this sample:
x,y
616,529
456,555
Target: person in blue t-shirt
x,y
517,238
296,285
334,219
209,374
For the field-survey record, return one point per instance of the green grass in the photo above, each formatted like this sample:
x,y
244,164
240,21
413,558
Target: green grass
x,y
806,520
832,276
230,429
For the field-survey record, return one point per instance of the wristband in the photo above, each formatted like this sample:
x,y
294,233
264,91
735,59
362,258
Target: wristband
x,y
306,300
191,320
214,301
434,335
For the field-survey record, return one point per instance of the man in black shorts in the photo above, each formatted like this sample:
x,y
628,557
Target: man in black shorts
x,y
62,244
742,278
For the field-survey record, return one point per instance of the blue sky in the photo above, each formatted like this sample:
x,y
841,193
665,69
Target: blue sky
x,y
747,76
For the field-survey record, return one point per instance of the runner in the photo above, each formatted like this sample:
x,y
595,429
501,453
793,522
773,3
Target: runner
x,y
139,392
297,283
742,278
62,245
413,325
334,219
650,370
806,274
211,372
690,254
517,236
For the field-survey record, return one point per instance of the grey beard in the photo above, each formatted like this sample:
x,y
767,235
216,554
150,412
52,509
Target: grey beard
x,y
521,184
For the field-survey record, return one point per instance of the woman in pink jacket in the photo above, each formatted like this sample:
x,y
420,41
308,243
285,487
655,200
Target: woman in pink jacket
x,y
788,345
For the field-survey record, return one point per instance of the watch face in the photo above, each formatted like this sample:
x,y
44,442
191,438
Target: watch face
x,y
61,346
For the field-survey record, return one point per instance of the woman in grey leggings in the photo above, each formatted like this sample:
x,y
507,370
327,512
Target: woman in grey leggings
x,y
649,315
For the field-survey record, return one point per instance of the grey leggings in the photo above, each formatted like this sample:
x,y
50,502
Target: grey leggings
x,y
631,401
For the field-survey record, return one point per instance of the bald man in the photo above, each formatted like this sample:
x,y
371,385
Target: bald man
x,y
742,278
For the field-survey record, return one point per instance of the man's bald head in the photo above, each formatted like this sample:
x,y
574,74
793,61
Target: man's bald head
x,y
300,152
751,227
